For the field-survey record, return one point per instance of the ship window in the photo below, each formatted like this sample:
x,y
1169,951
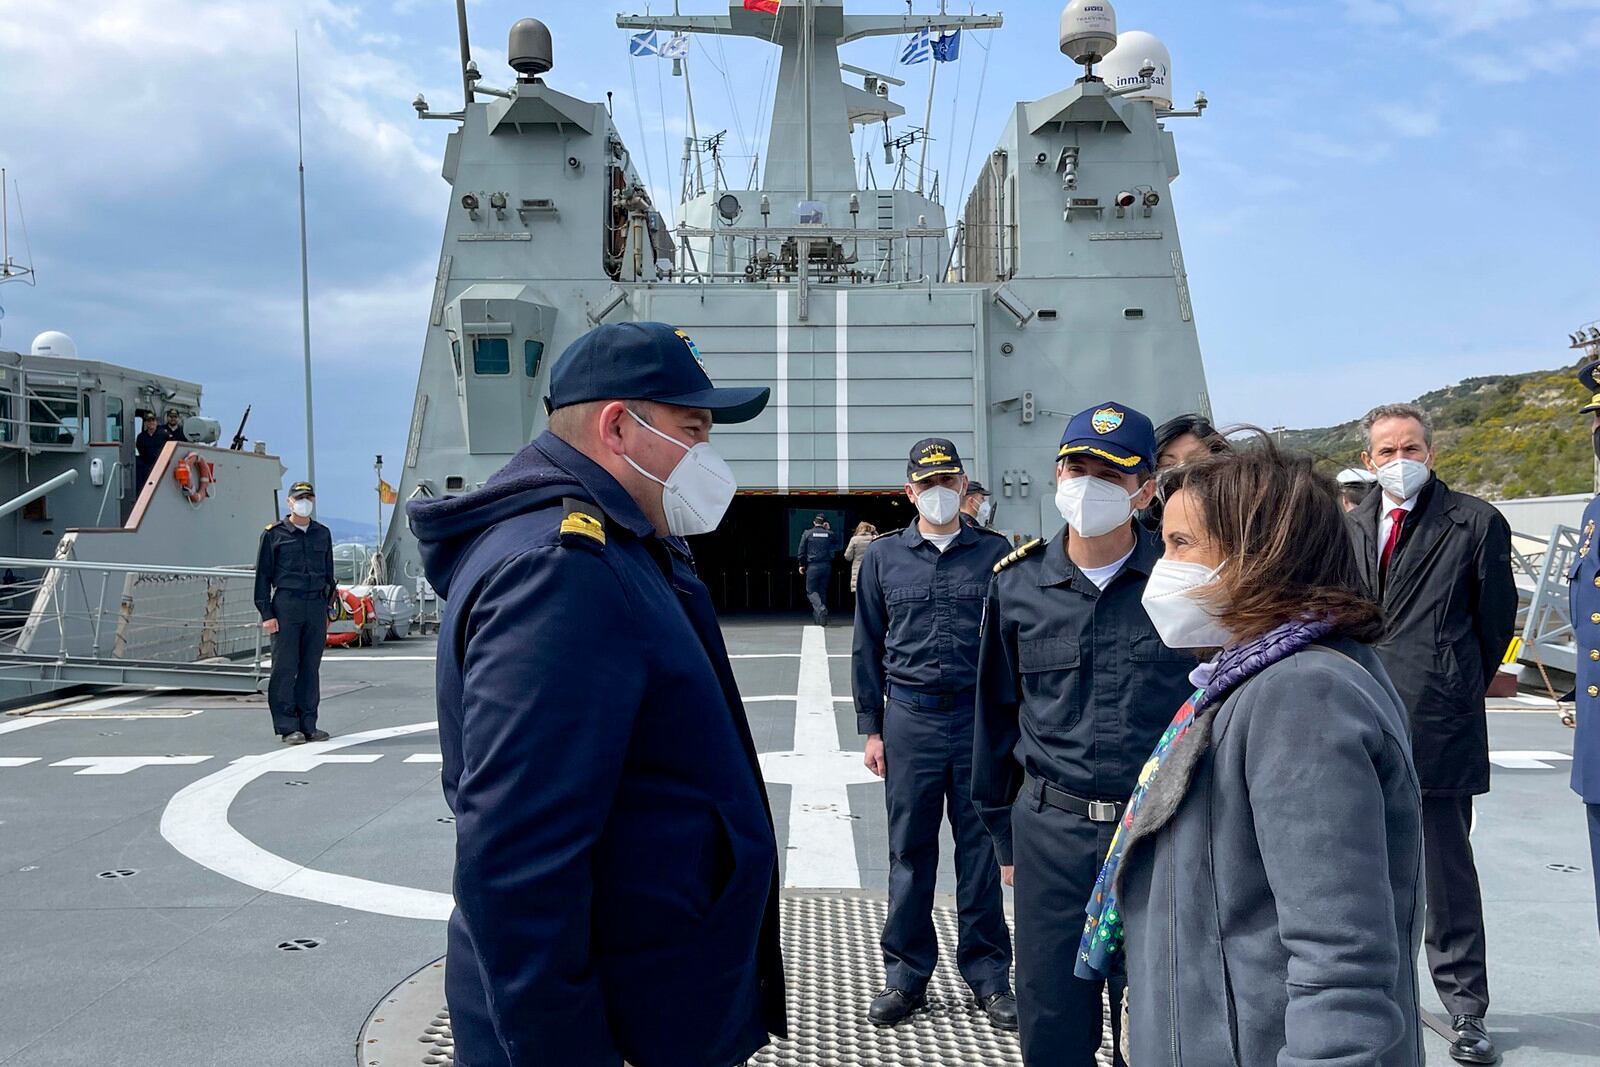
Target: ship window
x,y
455,354
455,481
532,353
491,355
1133,313
114,419
8,432
55,418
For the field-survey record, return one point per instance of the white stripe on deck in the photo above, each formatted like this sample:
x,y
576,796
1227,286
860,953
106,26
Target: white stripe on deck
x,y
13,725
822,846
124,764
18,761
1528,760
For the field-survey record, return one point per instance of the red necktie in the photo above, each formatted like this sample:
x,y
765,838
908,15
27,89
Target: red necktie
x,y
1397,518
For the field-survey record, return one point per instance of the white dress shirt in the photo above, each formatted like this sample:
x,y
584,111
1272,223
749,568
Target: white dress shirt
x,y
1386,520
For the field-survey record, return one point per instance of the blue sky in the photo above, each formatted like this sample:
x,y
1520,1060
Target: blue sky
x,y
1385,195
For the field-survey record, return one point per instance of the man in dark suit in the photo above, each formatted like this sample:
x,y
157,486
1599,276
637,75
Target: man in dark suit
x,y
147,448
1440,564
616,876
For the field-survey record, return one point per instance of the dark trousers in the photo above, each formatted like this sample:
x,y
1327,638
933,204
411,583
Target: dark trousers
x,y
1457,951
817,575
929,757
1594,852
295,689
1058,855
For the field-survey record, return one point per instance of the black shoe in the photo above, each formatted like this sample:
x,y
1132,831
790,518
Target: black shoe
x,y
317,735
1001,1008
1472,1044
893,1006
294,737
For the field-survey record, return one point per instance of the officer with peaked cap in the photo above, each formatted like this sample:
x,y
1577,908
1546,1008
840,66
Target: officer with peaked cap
x,y
919,604
294,586
977,507
1584,590
616,878
1073,687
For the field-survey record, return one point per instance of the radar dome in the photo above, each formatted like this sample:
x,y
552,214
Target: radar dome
x,y
1088,30
529,50
55,343
1121,70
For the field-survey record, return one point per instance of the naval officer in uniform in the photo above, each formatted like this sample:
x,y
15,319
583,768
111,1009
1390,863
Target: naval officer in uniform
x,y
816,551
919,604
1073,690
1585,608
616,878
294,585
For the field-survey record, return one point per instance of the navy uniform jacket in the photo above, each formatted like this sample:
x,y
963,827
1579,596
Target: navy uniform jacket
x,y
817,546
1585,595
918,611
616,876
296,562
1074,684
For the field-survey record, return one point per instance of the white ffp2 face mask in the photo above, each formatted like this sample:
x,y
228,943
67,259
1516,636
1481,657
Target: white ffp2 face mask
x,y
1180,619
302,507
985,512
938,505
697,493
1402,479
1093,506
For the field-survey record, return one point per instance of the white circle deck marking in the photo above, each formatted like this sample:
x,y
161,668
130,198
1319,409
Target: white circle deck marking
x,y
195,823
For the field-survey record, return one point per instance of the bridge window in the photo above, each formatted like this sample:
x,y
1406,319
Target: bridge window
x,y
532,353
491,355
55,418
113,419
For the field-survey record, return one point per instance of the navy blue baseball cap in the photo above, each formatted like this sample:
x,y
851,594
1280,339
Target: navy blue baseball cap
x,y
933,456
646,361
1114,432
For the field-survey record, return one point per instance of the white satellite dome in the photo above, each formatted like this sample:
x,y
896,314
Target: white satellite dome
x,y
55,343
1121,68
1088,30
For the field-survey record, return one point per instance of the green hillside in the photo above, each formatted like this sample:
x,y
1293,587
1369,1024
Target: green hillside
x,y
1498,437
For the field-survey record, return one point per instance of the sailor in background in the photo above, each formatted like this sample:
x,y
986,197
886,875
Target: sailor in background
x,y
173,430
977,507
1439,563
1585,593
146,448
816,551
1072,683
919,604
294,585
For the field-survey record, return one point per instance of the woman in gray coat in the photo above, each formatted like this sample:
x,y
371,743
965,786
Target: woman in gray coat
x,y
1263,890
856,550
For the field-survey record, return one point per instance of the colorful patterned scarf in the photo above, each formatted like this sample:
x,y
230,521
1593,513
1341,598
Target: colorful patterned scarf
x,y
1100,951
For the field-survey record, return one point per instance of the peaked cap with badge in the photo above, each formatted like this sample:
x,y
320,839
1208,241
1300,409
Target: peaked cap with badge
x,y
931,457
1114,432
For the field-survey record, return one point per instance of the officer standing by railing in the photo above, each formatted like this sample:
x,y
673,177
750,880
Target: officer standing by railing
x,y
294,585
919,604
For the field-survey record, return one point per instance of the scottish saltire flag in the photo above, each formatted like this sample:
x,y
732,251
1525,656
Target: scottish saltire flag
x,y
947,49
769,6
677,47
918,49
644,44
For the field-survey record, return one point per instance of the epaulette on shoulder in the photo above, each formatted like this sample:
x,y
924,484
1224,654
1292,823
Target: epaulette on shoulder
x,y
1018,554
890,533
582,523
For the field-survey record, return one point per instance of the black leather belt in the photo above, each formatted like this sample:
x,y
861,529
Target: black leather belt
x,y
932,701
1056,797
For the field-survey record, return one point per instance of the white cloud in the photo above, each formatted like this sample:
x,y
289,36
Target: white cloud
x,y
1409,119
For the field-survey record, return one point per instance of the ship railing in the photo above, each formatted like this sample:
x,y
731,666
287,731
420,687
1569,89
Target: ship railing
x,y
74,621
44,411
842,255
1547,635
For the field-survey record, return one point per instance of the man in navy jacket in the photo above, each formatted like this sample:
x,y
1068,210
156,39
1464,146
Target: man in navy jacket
x,y
616,874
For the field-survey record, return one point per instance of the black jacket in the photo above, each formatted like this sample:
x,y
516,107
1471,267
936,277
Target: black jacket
x,y
294,562
817,547
1451,606
616,876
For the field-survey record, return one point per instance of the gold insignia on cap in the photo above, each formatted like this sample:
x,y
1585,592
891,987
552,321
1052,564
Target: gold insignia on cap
x,y
934,457
1106,419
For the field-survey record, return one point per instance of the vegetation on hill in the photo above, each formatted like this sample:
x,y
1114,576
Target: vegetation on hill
x,y
1499,437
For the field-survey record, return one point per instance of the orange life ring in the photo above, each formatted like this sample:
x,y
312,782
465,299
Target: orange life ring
x,y
194,476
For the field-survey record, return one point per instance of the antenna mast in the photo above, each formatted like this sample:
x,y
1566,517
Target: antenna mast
x,y
9,271
305,277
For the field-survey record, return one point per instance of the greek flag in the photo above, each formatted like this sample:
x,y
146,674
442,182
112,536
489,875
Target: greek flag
x,y
644,44
677,47
918,49
947,49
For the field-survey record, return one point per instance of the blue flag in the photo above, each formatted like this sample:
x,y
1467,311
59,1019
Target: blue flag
x,y
918,49
644,44
947,49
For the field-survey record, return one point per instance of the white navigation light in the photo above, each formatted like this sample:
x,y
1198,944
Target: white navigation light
x,y
1088,31
55,343
1124,69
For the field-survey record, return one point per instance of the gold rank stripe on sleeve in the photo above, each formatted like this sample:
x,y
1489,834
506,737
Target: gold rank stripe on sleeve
x,y
1018,554
583,520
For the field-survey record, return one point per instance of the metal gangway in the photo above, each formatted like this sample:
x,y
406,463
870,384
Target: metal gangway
x,y
74,622
1541,567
